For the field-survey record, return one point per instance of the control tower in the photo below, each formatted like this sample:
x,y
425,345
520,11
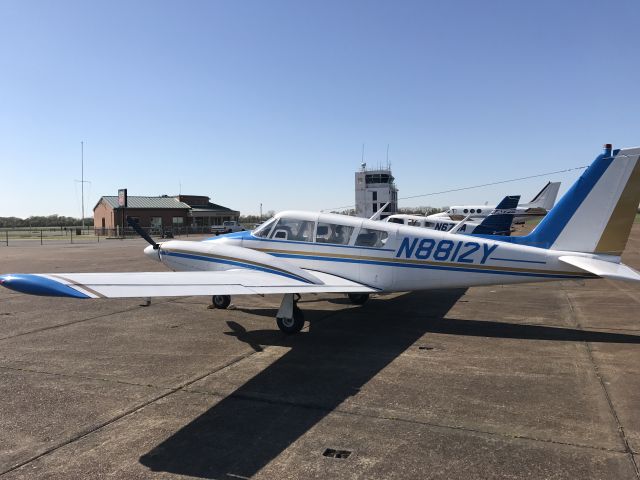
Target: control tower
x,y
374,188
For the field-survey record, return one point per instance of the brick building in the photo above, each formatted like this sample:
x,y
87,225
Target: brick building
x,y
160,212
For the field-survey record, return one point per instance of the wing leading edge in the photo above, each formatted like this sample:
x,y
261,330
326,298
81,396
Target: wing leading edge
x,y
174,284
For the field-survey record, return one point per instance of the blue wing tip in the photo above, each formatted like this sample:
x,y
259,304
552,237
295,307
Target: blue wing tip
x,y
38,285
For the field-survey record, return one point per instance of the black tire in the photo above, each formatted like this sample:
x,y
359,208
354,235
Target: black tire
x,y
221,301
358,298
291,325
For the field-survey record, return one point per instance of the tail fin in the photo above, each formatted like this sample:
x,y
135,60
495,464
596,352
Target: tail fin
x,y
546,197
498,222
597,212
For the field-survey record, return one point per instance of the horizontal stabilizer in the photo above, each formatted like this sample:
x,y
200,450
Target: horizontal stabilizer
x,y
612,271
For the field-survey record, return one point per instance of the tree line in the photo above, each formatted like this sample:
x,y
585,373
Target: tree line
x,y
43,221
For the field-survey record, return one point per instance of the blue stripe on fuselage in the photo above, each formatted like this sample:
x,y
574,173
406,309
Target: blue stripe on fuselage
x,y
414,265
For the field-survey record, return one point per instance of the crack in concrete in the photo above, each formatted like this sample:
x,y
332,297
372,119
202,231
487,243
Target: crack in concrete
x,y
60,325
627,447
85,377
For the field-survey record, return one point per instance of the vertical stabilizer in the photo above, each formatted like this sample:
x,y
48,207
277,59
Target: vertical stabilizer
x,y
498,222
597,212
546,198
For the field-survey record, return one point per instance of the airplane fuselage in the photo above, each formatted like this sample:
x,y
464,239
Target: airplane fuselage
x,y
408,258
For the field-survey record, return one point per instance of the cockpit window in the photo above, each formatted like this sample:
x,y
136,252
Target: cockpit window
x,y
396,220
263,230
333,233
372,238
293,229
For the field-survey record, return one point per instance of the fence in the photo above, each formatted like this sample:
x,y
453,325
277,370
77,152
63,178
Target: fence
x,y
47,235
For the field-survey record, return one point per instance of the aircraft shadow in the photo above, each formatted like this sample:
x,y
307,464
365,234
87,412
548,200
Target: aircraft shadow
x,y
247,429
324,366
483,328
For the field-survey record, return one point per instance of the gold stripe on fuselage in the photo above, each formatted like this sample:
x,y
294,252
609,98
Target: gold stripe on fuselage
x,y
401,261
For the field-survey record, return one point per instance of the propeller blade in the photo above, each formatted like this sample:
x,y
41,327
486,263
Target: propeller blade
x,y
133,224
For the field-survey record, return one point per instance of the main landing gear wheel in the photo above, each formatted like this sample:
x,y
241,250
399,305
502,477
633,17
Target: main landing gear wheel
x,y
358,298
290,318
221,301
291,325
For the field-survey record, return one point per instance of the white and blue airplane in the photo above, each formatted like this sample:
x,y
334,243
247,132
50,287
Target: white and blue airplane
x,y
539,206
497,222
295,253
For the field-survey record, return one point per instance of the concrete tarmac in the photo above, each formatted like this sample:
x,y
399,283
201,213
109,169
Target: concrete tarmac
x,y
530,381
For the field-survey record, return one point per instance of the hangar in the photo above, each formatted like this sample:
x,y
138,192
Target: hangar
x,y
196,212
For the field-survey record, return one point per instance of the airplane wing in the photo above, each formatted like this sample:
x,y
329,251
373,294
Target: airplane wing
x,y
174,284
612,271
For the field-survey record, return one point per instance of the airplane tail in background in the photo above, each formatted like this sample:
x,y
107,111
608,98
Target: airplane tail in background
x,y
596,214
498,222
546,197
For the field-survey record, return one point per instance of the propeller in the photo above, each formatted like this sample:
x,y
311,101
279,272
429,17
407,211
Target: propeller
x,y
134,224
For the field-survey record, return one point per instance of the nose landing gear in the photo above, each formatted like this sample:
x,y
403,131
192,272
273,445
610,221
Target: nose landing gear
x,y
221,301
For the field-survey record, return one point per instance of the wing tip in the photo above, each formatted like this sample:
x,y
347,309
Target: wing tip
x,y
33,284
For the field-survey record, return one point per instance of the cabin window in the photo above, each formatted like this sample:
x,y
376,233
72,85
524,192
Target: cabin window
x,y
473,210
479,210
465,211
333,233
293,229
414,223
396,220
263,230
372,238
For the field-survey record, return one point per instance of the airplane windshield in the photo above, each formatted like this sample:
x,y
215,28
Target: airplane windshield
x,y
263,230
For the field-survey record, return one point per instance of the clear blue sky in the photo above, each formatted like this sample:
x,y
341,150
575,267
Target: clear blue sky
x,y
271,101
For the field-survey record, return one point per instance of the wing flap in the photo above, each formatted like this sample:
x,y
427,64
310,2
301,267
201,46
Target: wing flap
x,y
602,268
173,284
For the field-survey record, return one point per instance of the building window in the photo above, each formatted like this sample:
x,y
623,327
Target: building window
x,y
156,222
375,196
178,220
375,207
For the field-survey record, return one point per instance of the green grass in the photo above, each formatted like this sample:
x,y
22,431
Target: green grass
x,y
637,220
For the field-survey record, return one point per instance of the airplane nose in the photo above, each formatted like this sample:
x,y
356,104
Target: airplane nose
x,y
151,253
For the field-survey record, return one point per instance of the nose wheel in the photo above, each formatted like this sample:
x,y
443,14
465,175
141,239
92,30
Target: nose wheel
x,y
290,318
221,301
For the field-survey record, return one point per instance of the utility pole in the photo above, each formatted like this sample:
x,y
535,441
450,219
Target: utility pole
x,y
82,179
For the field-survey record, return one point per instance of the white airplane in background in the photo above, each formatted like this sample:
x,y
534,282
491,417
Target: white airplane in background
x,y
303,252
498,222
539,206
